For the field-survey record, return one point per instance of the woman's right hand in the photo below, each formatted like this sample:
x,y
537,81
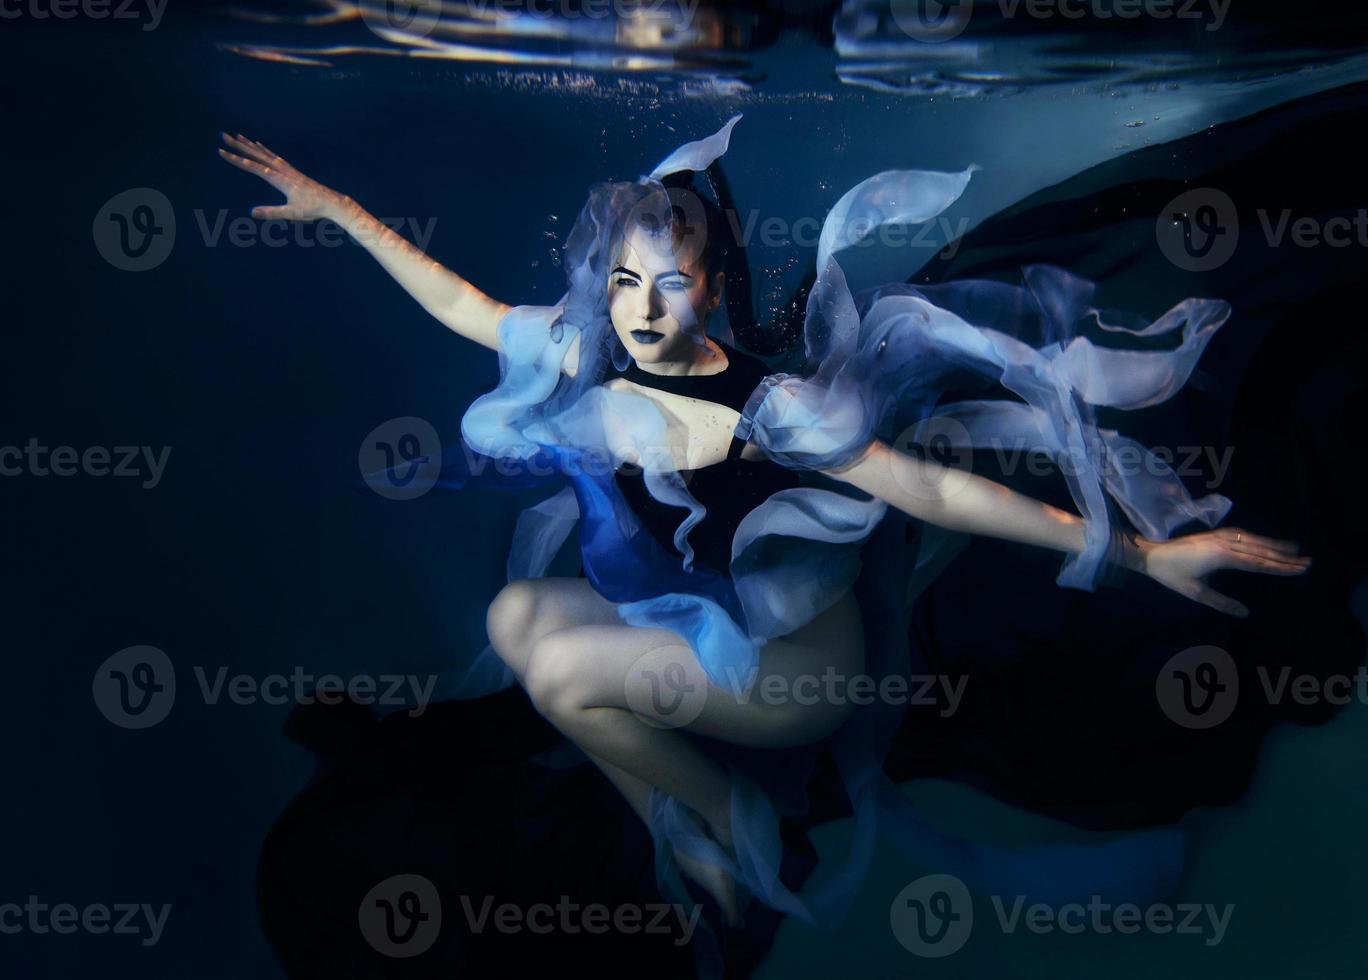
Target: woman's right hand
x,y
453,301
1182,564
305,199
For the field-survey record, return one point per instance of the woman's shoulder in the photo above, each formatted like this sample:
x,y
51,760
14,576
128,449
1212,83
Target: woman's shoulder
x,y
741,376
739,360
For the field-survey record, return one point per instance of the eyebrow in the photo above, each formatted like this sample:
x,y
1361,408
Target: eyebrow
x,y
637,276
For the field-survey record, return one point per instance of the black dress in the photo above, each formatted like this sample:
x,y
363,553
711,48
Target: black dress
x,y
730,489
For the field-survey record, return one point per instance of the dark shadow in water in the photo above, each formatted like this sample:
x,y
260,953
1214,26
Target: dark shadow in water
x,y
1060,714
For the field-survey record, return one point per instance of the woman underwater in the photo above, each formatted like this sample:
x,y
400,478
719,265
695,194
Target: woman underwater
x,y
722,509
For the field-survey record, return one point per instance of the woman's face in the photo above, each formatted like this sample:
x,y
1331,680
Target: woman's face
x,y
659,310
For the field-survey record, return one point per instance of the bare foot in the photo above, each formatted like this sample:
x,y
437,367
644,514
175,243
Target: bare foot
x,y
716,882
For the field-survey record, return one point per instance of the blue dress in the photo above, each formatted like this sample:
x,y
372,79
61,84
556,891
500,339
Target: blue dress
x,y
875,360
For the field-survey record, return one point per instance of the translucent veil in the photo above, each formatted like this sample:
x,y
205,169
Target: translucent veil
x,y
874,359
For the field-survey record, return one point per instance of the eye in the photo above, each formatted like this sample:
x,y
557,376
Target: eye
x,y
625,281
674,285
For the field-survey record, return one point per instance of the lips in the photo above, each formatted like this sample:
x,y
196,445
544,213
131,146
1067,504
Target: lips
x,y
647,336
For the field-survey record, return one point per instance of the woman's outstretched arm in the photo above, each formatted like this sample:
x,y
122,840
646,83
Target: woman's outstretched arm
x,y
966,502
444,294
962,501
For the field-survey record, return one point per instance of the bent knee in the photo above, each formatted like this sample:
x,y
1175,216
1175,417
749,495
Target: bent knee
x,y
508,622
555,678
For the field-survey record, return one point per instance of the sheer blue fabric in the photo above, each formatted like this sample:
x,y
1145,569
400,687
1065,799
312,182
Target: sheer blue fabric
x,y
873,359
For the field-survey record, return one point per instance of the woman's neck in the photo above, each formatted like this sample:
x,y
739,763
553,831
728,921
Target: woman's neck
x,y
706,358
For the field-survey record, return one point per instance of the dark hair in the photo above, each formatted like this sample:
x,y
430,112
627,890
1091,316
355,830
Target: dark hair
x,y
692,213
718,236
591,252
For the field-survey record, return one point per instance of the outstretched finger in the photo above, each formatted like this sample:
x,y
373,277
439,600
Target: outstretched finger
x,y
1242,537
1208,596
245,147
1251,544
1247,548
272,212
275,158
263,154
1267,565
273,177
244,163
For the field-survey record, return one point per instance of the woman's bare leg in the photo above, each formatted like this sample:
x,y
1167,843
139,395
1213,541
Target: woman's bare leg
x,y
529,610
601,683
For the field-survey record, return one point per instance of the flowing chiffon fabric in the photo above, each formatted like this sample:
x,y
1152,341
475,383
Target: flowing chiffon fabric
x,y
1044,359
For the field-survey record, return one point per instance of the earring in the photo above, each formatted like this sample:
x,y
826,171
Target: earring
x,y
619,353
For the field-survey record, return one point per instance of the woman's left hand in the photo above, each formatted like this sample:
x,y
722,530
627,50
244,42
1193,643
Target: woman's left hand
x,y
1184,563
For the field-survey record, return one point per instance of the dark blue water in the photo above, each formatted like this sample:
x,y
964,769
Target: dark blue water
x,y
245,375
